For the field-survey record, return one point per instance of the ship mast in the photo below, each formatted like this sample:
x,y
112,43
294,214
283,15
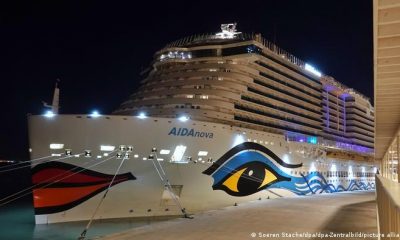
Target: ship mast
x,y
55,105
56,99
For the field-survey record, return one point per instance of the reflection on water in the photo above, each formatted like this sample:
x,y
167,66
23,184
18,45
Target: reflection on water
x,y
17,223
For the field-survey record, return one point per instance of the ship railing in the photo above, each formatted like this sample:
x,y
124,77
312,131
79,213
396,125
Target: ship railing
x,y
244,36
278,51
347,147
272,47
343,87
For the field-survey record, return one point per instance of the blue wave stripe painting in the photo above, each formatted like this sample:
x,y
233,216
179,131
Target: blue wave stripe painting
x,y
250,167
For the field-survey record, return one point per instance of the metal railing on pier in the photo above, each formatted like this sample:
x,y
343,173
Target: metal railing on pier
x,y
388,206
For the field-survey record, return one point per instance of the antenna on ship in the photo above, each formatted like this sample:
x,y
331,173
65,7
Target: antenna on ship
x,y
274,39
55,105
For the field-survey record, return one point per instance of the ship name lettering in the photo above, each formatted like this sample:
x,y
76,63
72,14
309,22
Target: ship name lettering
x,y
190,132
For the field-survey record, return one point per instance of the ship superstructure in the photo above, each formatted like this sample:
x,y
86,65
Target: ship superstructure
x,y
245,80
219,119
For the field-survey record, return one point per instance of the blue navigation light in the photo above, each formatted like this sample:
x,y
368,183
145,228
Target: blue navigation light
x,y
142,115
183,118
95,114
312,140
49,114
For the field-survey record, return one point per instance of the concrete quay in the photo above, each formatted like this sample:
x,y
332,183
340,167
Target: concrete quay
x,y
330,214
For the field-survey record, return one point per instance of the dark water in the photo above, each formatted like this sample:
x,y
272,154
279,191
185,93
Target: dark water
x,y
17,223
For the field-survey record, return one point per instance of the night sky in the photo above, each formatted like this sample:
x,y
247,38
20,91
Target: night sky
x,y
98,49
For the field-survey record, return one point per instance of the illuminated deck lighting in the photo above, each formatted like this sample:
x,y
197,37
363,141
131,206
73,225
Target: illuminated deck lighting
x,y
49,114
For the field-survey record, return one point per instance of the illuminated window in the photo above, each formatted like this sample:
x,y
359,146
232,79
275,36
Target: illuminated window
x,y
164,151
203,96
56,146
175,55
107,148
177,156
203,153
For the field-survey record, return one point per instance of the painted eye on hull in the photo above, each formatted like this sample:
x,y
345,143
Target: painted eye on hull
x,y
248,168
248,179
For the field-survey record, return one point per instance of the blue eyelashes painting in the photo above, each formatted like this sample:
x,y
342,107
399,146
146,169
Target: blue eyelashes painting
x,y
250,167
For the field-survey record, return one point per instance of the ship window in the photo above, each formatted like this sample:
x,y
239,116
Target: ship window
x,y
202,153
177,156
56,146
164,151
240,50
107,148
204,53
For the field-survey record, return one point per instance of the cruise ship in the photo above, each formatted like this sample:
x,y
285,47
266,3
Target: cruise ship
x,y
219,119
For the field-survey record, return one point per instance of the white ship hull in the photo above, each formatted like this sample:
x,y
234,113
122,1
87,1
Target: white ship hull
x,y
138,189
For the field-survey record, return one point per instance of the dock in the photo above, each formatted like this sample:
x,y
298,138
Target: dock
x,y
330,216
